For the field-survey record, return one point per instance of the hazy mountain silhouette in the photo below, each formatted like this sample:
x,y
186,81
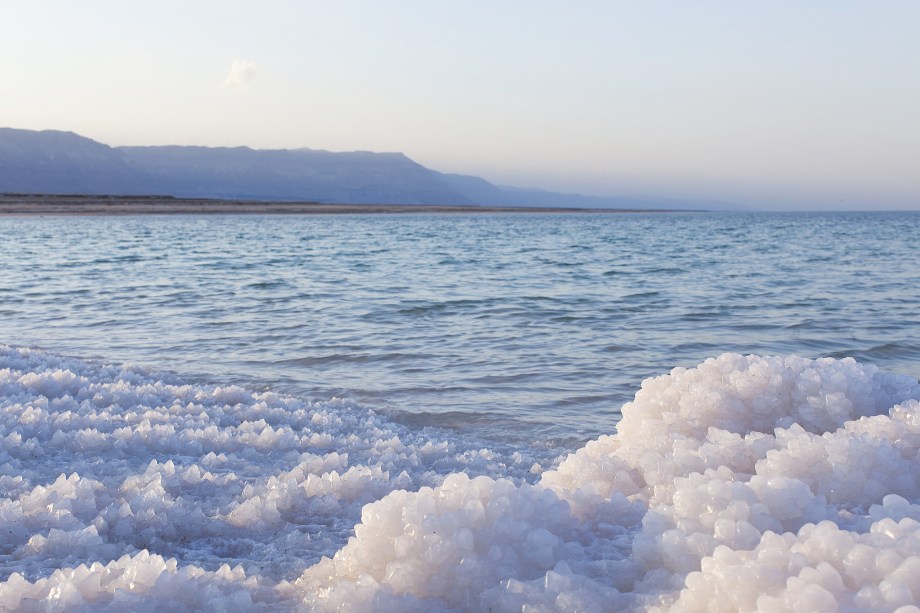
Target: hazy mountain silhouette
x,y
482,192
63,162
53,162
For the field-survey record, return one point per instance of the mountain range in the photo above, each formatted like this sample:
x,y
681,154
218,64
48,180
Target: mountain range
x,y
55,162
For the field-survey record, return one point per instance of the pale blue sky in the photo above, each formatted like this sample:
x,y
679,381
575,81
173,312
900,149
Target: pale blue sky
x,y
780,104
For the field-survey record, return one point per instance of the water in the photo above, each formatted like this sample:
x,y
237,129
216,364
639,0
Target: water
x,y
529,329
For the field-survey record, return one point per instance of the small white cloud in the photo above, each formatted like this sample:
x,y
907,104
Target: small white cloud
x,y
241,73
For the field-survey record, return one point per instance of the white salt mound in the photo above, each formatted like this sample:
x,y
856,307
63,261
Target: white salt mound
x,y
747,483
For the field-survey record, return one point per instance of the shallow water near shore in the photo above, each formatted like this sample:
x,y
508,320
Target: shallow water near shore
x,y
520,327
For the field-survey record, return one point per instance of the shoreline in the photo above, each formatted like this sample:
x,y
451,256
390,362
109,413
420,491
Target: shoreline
x,y
38,205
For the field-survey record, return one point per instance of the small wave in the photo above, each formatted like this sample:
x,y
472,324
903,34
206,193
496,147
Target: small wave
x,y
900,351
886,349
802,324
698,316
487,380
618,348
667,270
446,306
618,272
350,358
642,295
273,284
451,419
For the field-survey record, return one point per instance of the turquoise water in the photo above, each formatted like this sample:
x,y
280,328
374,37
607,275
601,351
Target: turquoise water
x,y
531,329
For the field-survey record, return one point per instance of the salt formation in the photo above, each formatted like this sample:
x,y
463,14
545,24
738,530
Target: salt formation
x,y
120,486
711,472
745,483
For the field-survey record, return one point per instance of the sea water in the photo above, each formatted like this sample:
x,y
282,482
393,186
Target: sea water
x,y
444,412
522,326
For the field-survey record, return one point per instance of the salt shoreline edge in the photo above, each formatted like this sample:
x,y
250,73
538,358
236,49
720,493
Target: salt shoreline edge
x,y
747,482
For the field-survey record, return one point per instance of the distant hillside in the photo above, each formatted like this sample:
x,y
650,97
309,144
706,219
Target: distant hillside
x,y
482,192
301,174
53,162
62,162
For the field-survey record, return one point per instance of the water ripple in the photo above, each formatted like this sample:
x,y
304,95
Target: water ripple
x,y
526,327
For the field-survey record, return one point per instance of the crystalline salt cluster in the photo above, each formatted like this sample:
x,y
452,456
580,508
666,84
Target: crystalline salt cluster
x,y
746,483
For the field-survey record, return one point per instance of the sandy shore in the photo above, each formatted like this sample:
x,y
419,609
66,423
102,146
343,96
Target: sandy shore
x,y
44,204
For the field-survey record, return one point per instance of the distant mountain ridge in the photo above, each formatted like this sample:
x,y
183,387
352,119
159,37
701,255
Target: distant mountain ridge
x,y
63,162
55,162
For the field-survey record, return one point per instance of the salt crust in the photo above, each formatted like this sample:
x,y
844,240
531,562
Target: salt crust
x,y
747,483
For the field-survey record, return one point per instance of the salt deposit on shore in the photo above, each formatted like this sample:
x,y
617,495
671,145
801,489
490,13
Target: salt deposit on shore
x,y
744,483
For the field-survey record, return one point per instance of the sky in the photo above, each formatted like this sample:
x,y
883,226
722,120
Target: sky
x,y
782,105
